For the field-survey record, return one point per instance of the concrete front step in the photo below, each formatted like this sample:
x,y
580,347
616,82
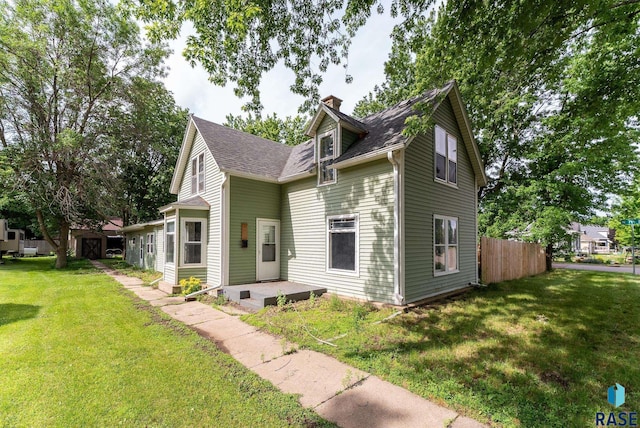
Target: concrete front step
x,y
259,295
169,288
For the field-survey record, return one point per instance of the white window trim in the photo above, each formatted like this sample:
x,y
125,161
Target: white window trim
x,y
333,134
166,233
203,242
446,245
196,158
328,269
150,243
446,164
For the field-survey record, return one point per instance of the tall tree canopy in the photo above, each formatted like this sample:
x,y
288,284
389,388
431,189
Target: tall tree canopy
x,y
146,138
65,67
238,41
289,130
553,94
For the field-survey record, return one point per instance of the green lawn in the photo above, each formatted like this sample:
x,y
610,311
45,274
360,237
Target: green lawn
x,y
147,276
76,349
536,352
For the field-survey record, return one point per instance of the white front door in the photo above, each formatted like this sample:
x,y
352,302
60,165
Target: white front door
x,y
267,249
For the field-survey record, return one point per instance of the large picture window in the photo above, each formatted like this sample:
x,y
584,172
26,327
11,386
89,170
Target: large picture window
x,y
326,153
343,243
445,236
170,241
193,238
446,156
197,174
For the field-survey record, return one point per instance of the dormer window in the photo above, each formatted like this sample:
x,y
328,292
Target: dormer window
x,y
326,153
197,174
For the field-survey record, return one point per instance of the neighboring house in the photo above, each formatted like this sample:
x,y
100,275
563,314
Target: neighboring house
x,y
360,208
93,244
595,239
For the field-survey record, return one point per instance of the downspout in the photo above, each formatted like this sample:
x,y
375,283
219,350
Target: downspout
x,y
398,241
224,189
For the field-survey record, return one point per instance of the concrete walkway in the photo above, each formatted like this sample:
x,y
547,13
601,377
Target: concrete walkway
x,y
339,393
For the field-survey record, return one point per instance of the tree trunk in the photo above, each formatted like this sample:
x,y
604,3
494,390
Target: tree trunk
x,y
61,251
549,257
59,247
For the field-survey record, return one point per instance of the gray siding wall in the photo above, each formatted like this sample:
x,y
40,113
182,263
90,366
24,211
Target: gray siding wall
x,y
424,198
250,200
366,190
212,194
348,138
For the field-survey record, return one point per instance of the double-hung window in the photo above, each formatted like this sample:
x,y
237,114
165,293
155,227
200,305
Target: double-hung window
x,y
342,243
193,234
149,243
446,156
445,237
197,174
170,241
326,153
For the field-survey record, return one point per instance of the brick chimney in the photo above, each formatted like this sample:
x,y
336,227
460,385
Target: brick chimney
x,y
333,102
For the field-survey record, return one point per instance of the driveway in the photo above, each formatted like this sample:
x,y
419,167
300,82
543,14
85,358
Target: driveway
x,y
597,267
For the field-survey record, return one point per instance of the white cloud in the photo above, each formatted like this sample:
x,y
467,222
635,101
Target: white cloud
x,y
369,50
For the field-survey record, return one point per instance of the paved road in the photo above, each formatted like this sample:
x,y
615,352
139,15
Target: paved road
x,y
600,268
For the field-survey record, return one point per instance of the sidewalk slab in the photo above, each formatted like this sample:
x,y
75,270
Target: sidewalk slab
x,y
149,294
224,327
375,402
177,300
315,376
192,313
256,348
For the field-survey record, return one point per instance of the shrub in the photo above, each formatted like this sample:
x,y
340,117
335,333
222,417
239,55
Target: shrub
x,y
190,285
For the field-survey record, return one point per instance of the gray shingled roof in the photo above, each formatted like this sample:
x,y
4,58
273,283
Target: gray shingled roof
x,y
194,201
242,152
301,160
246,153
385,127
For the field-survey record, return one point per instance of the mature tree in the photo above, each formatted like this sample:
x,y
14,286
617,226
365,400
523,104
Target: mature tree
x,y
288,131
64,66
552,92
239,41
627,206
147,132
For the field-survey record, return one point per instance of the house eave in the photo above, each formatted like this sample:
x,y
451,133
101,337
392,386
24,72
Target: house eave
x,y
249,175
182,157
300,176
367,157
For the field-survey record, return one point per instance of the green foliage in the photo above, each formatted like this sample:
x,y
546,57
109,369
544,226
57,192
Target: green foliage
x,y
70,70
116,361
288,131
239,42
281,300
190,285
520,353
146,136
551,90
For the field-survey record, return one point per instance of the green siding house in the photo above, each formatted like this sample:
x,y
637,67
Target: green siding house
x,y
360,208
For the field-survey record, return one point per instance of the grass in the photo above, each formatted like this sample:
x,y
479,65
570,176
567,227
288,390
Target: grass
x,y
536,352
76,349
147,276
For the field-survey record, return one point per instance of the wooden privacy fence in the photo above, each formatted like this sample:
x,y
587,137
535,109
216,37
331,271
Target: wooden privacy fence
x,y
502,260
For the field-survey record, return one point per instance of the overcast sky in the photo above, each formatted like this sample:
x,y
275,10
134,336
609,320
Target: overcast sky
x,y
368,53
